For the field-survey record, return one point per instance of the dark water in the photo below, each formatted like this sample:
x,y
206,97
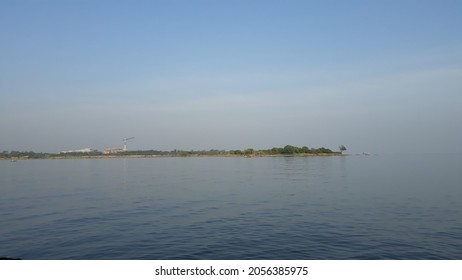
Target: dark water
x,y
352,207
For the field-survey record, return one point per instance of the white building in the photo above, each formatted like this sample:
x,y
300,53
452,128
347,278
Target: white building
x,y
86,150
113,150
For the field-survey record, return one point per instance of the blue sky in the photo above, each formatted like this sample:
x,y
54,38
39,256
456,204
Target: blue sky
x,y
376,76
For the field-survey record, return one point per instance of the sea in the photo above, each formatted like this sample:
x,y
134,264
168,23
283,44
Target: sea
x,y
350,207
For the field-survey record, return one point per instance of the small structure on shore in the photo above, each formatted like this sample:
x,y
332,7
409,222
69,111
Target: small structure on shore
x,y
113,151
118,150
86,150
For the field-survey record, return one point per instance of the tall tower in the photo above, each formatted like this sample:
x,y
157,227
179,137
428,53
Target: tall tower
x,y
125,143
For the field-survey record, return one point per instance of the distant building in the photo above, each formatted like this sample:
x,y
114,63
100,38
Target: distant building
x,y
113,151
86,150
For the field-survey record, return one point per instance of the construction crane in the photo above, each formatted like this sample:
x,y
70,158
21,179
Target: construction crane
x,y
125,142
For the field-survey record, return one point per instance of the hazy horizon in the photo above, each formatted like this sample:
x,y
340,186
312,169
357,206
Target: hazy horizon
x,y
376,76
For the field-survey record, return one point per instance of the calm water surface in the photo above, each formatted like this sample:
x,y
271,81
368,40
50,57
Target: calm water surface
x,y
351,207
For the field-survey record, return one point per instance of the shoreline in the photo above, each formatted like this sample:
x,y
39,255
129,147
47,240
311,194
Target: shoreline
x,y
173,156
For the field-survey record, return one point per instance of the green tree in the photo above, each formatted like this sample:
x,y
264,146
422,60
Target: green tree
x,y
236,152
289,150
323,150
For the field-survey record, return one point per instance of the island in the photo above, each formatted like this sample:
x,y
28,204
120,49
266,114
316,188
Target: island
x,y
286,151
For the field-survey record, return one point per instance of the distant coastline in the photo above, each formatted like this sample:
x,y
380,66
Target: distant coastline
x,y
171,156
286,151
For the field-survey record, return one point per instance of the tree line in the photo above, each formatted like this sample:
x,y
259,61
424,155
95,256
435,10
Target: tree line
x,y
286,150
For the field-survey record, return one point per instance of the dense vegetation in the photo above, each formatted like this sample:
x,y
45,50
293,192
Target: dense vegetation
x,y
17,154
34,155
288,150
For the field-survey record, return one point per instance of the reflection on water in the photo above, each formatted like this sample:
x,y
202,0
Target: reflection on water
x,y
378,207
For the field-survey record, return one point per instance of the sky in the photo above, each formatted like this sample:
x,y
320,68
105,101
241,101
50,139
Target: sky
x,y
375,76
